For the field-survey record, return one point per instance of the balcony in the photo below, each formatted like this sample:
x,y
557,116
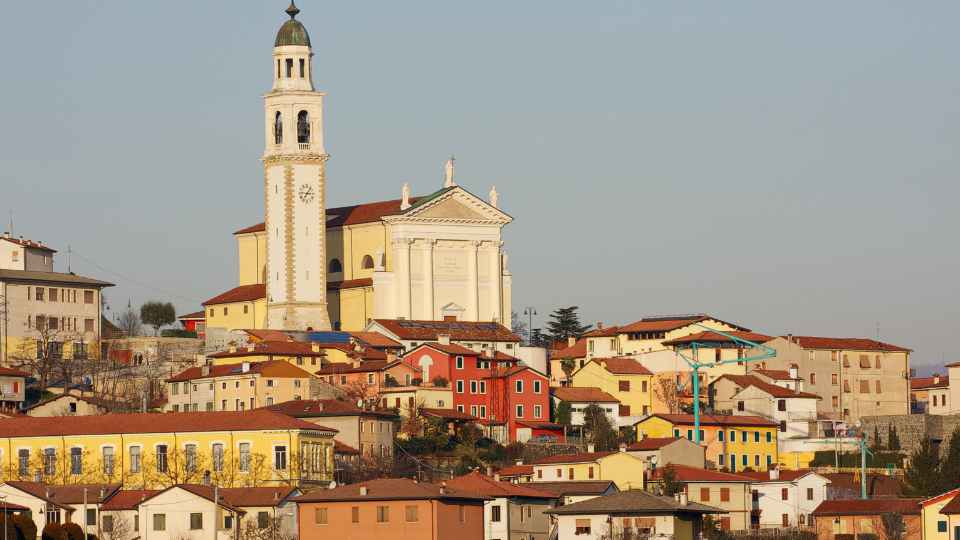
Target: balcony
x,y
304,145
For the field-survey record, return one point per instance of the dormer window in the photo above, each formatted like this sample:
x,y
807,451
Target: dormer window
x,y
277,129
303,127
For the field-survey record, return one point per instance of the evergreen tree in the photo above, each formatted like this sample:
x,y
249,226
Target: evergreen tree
x,y
893,442
562,415
876,438
565,323
599,430
950,468
922,476
669,484
158,314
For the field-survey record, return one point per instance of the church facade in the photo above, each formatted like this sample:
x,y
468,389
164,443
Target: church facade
x,y
433,257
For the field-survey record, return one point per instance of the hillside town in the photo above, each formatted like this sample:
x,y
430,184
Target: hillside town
x,y
365,374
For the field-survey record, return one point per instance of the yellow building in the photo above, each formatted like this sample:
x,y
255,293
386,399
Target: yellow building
x,y
251,448
621,468
935,522
729,492
623,378
238,387
311,357
735,443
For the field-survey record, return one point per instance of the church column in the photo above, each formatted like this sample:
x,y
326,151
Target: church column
x,y
403,279
495,305
473,282
429,309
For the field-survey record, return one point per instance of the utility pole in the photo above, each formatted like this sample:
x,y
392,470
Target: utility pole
x,y
529,312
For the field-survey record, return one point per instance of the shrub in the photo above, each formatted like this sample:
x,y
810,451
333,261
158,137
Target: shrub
x,y
54,531
73,530
26,528
440,382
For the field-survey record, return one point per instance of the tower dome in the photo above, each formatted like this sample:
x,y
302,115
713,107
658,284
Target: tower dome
x,y
292,32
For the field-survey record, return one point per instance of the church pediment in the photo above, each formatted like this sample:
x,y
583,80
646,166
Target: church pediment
x,y
453,204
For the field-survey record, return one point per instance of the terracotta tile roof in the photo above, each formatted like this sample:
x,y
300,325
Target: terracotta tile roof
x,y
576,487
585,457
368,366
633,502
23,242
10,372
259,227
865,507
318,408
349,284
577,350
283,348
941,497
583,394
345,449
69,494
715,420
651,443
196,315
922,383
784,475
686,473
621,366
51,277
450,348
668,323
953,507
247,497
714,337
187,422
271,368
743,381
268,335
481,484
376,339
848,344
878,485
457,330
243,293
609,331
349,215
103,404
775,374
513,371
388,489
127,499
448,414
551,426
516,470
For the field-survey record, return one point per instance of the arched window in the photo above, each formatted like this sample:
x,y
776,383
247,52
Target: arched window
x,y
367,262
277,129
335,266
303,127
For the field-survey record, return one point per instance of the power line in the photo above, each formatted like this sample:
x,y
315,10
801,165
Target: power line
x,y
130,279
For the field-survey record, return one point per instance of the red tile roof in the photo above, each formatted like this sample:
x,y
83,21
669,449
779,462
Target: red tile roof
x,y
953,507
866,507
450,348
10,372
775,374
548,426
448,414
127,499
481,484
349,284
196,315
243,293
715,420
585,457
272,368
108,424
268,335
283,348
577,350
318,408
922,383
576,487
67,495
583,394
848,344
743,381
341,448
368,366
349,215
686,473
784,475
516,470
714,337
651,443
23,242
376,339
666,324
387,489
622,366
609,331
457,330
237,498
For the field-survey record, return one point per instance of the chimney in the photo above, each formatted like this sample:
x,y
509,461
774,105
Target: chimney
x,y
443,488
449,318
936,378
489,470
623,447
571,341
600,325
245,367
103,492
591,448
774,473
363,491
251,348
519,462
443,339
315,347
391,355
6,234
683,498
205,371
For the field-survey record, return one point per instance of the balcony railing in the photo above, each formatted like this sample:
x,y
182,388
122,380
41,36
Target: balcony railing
x,y
304,145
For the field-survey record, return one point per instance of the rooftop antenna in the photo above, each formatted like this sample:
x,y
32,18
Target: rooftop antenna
x,y
69,258
11,222
878,330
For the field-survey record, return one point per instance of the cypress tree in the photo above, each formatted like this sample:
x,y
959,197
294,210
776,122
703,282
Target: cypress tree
x,y
950,467
922,476
893,442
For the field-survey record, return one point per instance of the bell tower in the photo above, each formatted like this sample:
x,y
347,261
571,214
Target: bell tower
x,y
294,166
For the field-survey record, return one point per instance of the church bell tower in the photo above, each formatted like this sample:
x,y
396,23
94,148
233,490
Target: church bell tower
x,y
294,165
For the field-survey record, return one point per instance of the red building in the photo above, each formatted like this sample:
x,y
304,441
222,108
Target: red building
x,y
511,400
194,322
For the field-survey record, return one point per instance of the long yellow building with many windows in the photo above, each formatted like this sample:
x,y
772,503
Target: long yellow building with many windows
x,y
148,451
735,443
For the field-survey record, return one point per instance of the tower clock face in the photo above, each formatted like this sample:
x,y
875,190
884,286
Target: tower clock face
x,y
306,193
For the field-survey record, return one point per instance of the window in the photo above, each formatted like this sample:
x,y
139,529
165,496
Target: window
x,y
473,410
784,494
624,410
76,460
40,292
704,494
367,262
537,411
536,387
320,516
743,436
623,386
106,523
88,325
459,387
91,517
756,460
277,128
519,411
518,387
720,458
302,70
781,405
756,436
355,514
228,522
162,458
87,297
733,462
383,514
809,494
473,387
740,406
23,462
864,387
570,473
263,520
785,520
942,526
744,459
190,457
720,436
865,361
53,514
689,434
303,137
53,294
835,401
783,427
495,513
217,457
108,460
459,362
834,379
725,493
134,459
410,514
582,526
280,458
483,387
942,401
196,521
159,522
813,378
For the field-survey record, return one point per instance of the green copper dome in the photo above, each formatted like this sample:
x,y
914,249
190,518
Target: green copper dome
x,y
292,32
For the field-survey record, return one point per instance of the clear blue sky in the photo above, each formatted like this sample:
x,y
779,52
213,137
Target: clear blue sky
x,y
792,167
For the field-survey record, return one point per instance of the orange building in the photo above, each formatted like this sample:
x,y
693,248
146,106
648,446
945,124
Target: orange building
x,y
394,508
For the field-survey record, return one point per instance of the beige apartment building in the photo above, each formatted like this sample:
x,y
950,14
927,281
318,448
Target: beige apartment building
x,y
370,431
854,377
42,308
239,387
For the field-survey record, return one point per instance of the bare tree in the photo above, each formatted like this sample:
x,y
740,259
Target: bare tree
x,y
115,527
272,529
665,388
43,355
130,323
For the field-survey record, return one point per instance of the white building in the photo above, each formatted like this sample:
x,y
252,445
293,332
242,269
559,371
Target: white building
x,y
750,395
786,498
579,398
